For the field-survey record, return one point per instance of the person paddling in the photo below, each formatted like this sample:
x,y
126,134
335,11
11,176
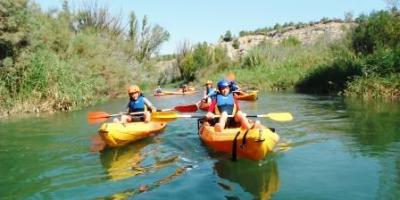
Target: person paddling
x,y
233,84
137,104
225,104
209,90
158,90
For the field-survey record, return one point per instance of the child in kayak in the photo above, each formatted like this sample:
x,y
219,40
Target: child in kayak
x,y
225,104
137,104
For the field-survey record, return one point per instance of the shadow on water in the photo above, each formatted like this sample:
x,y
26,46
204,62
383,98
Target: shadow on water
x,y
260,179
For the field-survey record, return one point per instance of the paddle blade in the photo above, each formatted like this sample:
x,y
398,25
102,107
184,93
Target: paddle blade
x,y
164,116
282,117
186,108
97,117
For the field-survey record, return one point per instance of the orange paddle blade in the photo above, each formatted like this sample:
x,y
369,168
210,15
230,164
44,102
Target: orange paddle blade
x,y
97,117
186,108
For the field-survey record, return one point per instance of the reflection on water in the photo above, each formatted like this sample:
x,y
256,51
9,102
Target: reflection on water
x,y
124,162
142,158
259,179
374,126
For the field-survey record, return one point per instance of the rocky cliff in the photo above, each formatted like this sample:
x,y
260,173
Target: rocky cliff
x,y
306,35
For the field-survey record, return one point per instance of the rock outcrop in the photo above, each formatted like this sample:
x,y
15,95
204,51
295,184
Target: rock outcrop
x,y
306,35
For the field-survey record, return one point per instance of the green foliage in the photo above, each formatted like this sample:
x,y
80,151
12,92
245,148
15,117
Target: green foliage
x,y
228,36
330,78
253,58
65,60
291,41
190,60
13,29
151,37
235,44
383,61
375,86
379,30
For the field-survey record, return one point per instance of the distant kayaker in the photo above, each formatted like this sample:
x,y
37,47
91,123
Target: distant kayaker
x,y
158,90
225,104
233,84
184,88
137,104
209,90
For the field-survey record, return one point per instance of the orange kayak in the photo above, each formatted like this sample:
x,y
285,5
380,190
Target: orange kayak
x,y
118,134
204,106
248,96
175,93
254,145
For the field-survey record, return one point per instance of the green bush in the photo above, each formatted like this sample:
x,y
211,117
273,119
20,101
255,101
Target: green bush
x,y
227,37
383,61
380,29
291,41
330,78
375,86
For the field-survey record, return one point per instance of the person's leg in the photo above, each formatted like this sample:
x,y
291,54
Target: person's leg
x,y
125,119
147,116
219,127
242,119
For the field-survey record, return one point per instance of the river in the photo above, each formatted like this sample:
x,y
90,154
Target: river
x,y
335,148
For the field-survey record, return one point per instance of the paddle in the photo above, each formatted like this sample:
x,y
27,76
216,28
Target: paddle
x,y
186,108
171,116
98,117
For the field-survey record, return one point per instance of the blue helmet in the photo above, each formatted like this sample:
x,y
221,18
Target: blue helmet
x,y
223,84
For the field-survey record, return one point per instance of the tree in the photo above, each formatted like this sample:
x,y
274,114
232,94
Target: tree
x,y
227,37
348,17
392,4
150,40
13,29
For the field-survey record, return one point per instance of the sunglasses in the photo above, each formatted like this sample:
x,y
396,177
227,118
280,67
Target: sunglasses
x,y
132,93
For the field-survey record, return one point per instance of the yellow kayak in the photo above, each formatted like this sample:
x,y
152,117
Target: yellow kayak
x,y
119,134
254,145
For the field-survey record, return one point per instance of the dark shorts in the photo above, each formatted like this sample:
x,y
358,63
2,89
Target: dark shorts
x,y
137,118
230,122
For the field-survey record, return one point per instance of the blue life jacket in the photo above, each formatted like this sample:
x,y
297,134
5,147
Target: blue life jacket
x,y
211,91
137,105
225,103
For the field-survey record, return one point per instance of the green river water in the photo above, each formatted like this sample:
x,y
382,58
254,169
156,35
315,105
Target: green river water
x,y
333,149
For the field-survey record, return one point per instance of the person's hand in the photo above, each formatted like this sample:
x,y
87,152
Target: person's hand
x,y
153,109
210,115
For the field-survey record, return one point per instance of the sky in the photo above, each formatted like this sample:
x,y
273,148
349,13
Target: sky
x,y
206,20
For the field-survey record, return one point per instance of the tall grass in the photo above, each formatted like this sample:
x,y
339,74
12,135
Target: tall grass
x,y
279,67
375,86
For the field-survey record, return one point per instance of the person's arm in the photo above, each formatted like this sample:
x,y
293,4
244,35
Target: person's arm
x,y
205,94
212,106
149,104
237,104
